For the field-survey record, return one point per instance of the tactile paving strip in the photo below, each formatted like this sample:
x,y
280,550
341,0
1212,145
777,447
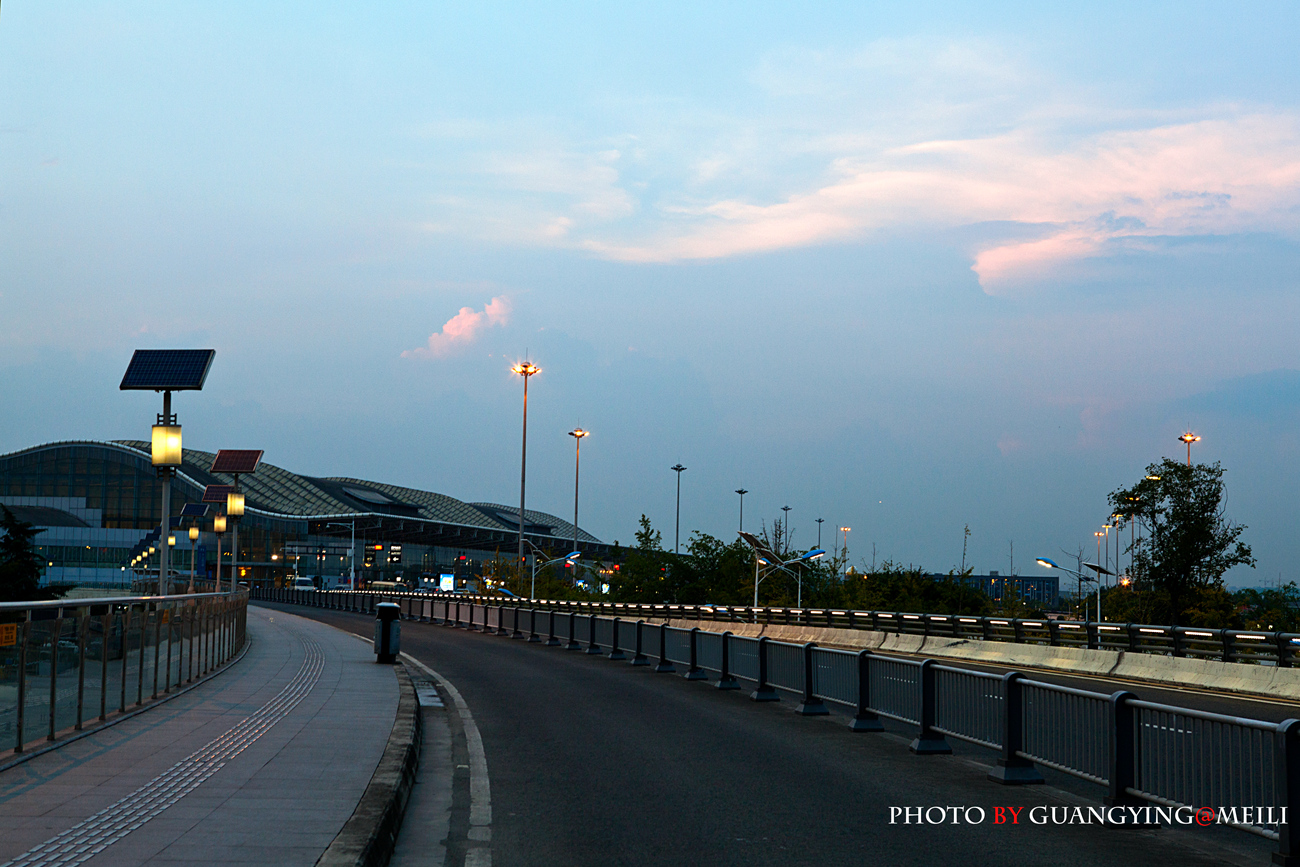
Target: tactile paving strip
x,y
93,835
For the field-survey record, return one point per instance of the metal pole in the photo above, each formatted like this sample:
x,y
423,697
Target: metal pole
x,y
819,531
742,493
234,552
577,461
523,472
677,531
217,587
164,473
193,542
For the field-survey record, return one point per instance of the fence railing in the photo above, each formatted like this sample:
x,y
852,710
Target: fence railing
x,y
1145,754
67,663
1225,645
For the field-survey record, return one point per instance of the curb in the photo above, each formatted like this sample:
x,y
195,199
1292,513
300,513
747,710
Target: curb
x,y
369,835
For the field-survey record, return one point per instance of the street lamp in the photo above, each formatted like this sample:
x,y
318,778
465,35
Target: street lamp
x,y
1189,438
1096,567
764,556
194,537
525,369
219,529
166,370
786,534
742,493
234,511
577,434
819,531
845,531
677,531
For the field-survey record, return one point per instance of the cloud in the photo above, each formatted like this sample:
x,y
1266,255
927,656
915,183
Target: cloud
x,y
903,135
461,329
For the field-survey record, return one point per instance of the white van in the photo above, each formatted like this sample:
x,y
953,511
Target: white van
x,y
302,584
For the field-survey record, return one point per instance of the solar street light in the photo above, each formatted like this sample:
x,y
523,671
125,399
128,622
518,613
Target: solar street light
x,y
234,462
167,370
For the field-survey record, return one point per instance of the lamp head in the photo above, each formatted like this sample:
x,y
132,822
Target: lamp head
x,y
194,534
579,433
219,524
526,369
815,554
234,504
166,445
1045,563
574,555
171,541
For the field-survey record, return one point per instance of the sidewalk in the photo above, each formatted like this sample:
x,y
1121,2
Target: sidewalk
x,y
263,764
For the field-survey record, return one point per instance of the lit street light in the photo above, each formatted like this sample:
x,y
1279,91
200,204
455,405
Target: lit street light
x,y
194,537
577,434
677,532
1096,567
1189,438
845,531
525,369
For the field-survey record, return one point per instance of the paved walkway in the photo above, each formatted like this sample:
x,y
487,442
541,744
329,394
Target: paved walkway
x,y
262,764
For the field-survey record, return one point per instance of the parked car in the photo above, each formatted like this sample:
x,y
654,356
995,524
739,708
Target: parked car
x,y
303,584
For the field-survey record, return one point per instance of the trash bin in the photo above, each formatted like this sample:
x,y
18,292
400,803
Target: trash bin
x,y
388,632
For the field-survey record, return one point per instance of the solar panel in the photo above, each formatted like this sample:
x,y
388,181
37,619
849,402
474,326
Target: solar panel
x,y
217,493
167,370
236,461
194,510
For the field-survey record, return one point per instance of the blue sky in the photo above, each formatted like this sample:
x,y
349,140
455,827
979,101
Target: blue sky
x,y
903,269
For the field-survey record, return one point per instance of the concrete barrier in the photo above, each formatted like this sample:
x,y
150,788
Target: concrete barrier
x,y
1262,680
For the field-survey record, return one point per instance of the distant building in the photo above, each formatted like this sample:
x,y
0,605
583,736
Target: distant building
x,y
97,502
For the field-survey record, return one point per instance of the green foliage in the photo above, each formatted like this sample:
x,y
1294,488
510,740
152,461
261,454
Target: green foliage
x,y
20,567
1187,543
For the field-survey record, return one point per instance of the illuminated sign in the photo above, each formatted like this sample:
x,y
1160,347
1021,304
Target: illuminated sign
x,y
446,581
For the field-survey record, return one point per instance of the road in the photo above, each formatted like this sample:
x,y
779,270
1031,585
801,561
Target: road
x,y
594,762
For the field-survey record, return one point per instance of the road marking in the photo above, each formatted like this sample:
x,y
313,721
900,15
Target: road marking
x,y
480,791
91,836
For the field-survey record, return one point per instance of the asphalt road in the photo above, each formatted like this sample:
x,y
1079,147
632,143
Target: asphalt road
x,y
594,762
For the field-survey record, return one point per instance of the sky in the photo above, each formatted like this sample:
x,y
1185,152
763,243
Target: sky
x,y
909,268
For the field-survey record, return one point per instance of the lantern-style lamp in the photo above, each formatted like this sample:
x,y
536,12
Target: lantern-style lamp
x,y
234,505
166,445
219,524
194,534
171,541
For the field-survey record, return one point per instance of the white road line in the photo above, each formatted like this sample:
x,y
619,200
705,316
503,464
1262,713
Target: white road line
x,y
95,834
480,791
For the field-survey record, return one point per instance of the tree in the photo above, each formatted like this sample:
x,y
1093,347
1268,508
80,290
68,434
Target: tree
x,y
20,568
1187,543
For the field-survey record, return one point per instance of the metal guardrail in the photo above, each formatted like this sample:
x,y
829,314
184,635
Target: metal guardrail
x,y
1145,754
1225,645
65,663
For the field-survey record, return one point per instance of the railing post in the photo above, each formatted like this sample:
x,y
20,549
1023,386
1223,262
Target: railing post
x,y
615,652
1123,750
592,646
1284,650
517,633
639,657
726,680
986,629
811,704
574,643
56,632
1229,644
694,672
551,640
1012,769
928,741
664,665
533,637
1286,773
1176,633
1053,633
865,719
764,692
26,631
1017,630
83,632
1094,635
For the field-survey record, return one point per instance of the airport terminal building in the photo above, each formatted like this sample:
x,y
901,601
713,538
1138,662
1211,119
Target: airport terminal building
x,y
97,503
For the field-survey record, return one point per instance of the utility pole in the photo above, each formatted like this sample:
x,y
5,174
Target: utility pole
x,y
677,532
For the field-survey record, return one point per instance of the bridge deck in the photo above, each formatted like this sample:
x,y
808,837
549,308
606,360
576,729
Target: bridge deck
x,y
262,764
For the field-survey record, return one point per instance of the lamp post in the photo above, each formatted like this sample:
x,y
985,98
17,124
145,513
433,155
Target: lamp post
x,y
234,511
166,453
577,434
819,531
1096,567
194,537
171,543
786,532
219,528
1189,438
742,493
677,531
526,370
845,531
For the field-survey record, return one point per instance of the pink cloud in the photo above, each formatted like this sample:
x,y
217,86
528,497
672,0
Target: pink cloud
x,y
461,329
